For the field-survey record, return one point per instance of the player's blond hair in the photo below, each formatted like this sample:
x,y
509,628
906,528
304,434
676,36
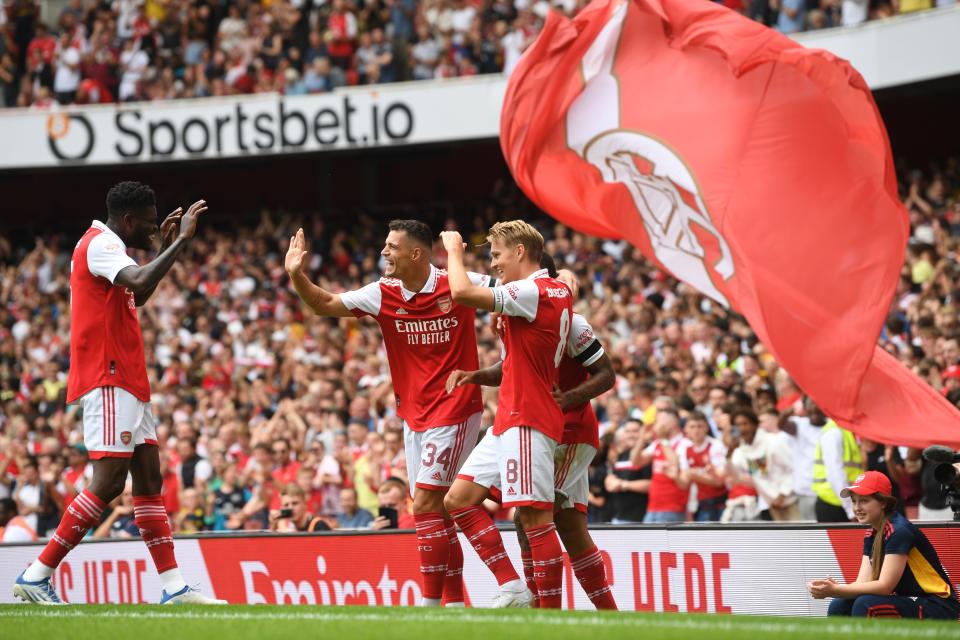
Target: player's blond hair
x,y
514,232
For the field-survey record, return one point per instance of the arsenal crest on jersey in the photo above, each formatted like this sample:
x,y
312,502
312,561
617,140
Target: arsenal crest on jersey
x,y
445,304
126,437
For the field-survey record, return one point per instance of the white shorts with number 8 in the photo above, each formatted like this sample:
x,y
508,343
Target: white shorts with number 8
x,y
516,466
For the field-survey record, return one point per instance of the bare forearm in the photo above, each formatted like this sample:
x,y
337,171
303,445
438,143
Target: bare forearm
x,y
320,301
143,280
463,291
489,377
869,588
589,389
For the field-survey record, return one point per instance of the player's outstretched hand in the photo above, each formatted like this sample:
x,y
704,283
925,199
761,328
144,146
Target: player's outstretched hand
x,y
452,241
296,253
458,378
168,228
188,223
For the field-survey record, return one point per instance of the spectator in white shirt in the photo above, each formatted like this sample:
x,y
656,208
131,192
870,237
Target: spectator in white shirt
x,y
767,461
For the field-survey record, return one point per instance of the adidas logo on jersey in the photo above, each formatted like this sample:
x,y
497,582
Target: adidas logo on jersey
x,y
402,312
436,476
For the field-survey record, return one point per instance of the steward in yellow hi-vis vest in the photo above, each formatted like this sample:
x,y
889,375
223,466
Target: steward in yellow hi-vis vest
x,y
838,460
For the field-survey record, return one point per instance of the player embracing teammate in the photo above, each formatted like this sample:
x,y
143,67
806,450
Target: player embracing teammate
x,y
518,453
585,373
427,335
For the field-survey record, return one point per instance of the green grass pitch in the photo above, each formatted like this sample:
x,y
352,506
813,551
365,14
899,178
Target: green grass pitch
x,y
142,622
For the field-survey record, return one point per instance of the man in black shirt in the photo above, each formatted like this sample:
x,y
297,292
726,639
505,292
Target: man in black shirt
x,y
627,485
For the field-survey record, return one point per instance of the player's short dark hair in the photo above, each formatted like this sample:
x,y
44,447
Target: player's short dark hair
x,y
123,197
417,231
547,262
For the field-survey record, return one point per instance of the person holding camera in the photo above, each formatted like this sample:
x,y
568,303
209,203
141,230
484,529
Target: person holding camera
x,y
293,515
900,574
393,512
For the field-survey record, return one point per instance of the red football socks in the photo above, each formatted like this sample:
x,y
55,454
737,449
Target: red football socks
x,y
83,513
478,526
590,572
527,559
434,547
453,582
150,516
547,564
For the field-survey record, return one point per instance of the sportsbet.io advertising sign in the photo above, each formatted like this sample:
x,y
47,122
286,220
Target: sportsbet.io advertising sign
x,y
410,113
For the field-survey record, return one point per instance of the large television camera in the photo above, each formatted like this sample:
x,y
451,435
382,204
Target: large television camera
x,y
946,474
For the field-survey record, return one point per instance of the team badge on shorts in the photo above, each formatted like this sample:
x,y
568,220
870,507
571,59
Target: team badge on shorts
x,y
126,437
445,304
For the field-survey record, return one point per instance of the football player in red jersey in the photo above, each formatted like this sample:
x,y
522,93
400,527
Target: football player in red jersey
x,y
585,373
108,378
520,447
427,335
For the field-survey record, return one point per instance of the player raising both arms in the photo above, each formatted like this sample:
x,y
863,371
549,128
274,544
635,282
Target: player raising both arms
x,y
427,335
585,373
108,378
520,447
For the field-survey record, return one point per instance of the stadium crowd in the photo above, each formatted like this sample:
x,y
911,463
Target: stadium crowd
x,y
101,51
263,408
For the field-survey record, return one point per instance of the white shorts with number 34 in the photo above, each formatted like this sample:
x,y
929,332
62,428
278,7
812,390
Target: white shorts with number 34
x,y
434,456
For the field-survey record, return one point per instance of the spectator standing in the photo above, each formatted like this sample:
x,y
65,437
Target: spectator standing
x,y
838,460
627,484
767,460
669,485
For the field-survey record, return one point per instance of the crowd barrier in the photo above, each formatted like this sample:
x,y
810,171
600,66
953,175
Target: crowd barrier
x,y
742,569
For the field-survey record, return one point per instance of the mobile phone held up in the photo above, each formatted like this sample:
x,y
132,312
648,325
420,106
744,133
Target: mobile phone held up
x,y
390,514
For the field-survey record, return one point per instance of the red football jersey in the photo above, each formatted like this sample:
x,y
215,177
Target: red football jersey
x,y
580,425
711,453
665,494
538,312
106,348
426,336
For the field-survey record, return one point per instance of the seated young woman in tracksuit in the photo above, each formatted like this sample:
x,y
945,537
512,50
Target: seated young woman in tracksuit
x,y
900,575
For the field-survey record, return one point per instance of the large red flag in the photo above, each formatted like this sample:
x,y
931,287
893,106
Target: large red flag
x,y
751,168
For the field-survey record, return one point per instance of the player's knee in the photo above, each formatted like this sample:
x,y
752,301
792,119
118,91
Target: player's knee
x,y
568,527
108,482
530,517
428,501
453,501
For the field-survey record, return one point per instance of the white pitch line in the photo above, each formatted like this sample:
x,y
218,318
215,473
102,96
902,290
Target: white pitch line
x,y
699,624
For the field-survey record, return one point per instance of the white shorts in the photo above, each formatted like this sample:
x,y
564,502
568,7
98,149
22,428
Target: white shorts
x,y
571,478
516,466
114,422
434,456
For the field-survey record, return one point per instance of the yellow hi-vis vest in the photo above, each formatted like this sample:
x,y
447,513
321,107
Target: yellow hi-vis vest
x,y
852,465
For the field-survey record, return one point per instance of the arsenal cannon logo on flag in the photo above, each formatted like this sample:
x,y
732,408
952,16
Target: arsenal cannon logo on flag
x,y
751,168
